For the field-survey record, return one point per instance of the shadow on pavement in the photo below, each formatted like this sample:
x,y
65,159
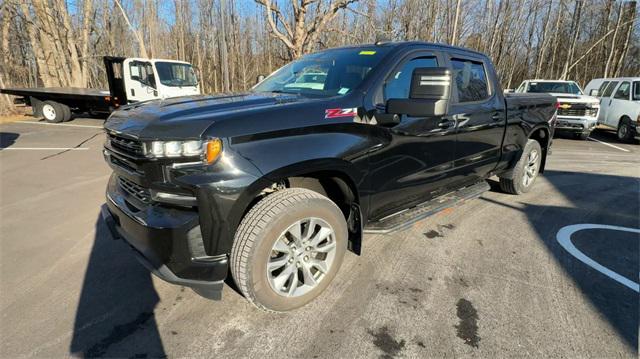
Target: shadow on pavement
x,y
597,199
610,136
7,139
117,301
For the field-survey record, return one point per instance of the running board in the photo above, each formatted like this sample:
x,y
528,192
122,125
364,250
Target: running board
x,y
407,217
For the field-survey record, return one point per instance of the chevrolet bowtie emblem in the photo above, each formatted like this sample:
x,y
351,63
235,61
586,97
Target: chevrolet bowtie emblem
x,y
565,106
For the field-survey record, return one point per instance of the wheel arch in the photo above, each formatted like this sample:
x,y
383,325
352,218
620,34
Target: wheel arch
x,y
332,178
542,134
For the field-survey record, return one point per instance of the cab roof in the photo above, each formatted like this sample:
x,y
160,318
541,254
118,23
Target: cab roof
x,y
404,44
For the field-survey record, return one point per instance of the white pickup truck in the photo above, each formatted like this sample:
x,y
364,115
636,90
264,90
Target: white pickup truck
x,y
577,112
130,80
619,105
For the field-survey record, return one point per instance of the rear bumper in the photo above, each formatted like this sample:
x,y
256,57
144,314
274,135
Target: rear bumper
x,y
167,241
576,124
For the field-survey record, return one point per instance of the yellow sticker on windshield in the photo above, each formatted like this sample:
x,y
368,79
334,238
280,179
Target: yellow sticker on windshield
x,y
367,52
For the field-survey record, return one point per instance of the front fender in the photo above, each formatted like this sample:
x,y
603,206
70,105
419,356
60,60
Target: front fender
x,y
335,147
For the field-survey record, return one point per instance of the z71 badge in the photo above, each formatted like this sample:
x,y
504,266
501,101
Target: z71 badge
x,y
340,112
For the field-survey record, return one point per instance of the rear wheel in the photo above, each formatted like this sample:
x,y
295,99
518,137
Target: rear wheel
x,y
67,112
526,170
625,132
53,112
288,248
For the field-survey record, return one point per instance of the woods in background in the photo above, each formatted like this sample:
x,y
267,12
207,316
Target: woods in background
x,y
231,42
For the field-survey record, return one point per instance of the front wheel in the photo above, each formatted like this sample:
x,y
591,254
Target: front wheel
x,y
526,170
288,248
624,132
582,136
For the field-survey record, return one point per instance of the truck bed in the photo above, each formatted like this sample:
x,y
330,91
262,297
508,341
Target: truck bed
x,y
58,92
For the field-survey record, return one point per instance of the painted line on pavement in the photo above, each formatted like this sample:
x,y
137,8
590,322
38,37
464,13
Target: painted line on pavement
x,y
564,238
610,145
57,124
44,148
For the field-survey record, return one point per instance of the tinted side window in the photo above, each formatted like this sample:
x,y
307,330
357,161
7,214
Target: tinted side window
x,y
607,92
602,87
471,80
399,84
623,91
636,91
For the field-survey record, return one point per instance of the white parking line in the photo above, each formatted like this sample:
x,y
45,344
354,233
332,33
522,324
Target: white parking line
x,y
57,124
44,148
608,144
564,238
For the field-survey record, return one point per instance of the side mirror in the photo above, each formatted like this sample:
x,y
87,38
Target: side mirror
x,y
594,92
259,79
428,96
151,81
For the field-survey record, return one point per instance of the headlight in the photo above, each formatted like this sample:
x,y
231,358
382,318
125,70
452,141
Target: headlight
x,y
208,150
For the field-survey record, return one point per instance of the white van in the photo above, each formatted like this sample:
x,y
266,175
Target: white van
x,y
619,104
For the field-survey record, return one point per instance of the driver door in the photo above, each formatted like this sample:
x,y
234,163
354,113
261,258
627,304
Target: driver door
x,y
416,162
139,80
616,103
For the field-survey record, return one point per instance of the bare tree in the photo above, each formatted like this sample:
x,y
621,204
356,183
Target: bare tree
x,y
300,32
232,41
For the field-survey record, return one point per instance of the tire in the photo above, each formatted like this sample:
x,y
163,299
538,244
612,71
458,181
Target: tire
x,y
516,183
52,112
268,225
582,136
625,131
67,113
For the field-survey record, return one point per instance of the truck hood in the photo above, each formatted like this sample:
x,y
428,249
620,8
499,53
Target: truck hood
x,y
570,98
189,117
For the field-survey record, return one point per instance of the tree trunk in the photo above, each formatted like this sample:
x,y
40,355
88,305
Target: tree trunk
x,y
613,41
454,36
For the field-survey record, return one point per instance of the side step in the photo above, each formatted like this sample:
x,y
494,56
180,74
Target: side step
x,y
407,217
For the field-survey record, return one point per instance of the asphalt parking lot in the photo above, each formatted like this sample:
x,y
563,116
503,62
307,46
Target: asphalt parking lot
x,y
500,276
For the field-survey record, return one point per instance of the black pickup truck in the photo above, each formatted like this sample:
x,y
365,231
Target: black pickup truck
x,y
276,184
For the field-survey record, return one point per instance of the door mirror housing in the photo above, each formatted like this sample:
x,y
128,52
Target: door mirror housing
x,y
594,92
428,96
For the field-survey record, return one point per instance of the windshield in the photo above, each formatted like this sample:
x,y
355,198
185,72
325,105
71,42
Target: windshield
x,y
176,74
555,87
324,74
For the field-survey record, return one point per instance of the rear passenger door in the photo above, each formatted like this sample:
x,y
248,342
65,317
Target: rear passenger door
x,y
479,112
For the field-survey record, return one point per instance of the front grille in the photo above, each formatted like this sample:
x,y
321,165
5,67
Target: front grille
x,y
140,193
591,112
125,145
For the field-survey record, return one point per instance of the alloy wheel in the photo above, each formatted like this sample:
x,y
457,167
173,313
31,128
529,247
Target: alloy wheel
x,y
301,257
530,168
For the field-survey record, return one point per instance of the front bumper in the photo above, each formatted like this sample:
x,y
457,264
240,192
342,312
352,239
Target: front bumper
x,y
636,131
576,124
166,240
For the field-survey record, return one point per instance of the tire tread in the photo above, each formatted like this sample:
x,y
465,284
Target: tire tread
x,y
253,223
